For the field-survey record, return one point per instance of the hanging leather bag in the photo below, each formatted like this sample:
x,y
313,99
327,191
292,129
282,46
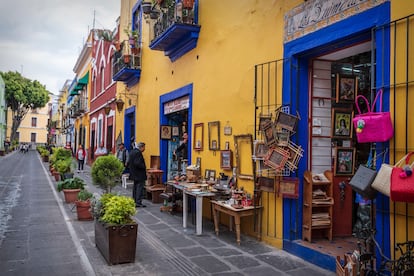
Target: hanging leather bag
x,y
371,126
363,178
402,182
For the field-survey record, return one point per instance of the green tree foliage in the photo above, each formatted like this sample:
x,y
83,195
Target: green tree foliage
x,y
22,95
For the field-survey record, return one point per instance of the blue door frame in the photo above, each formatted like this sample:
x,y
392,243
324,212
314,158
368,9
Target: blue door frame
x,y
299,52
176,94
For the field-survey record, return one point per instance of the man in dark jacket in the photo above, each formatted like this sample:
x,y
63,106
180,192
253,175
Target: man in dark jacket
x,y
137,172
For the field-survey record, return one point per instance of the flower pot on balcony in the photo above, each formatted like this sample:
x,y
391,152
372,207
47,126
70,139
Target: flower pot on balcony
x,y
146,7
188,4
154,14
135,50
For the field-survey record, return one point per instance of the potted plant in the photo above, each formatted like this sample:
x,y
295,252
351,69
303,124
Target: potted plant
x,y
106,172
83,205
115,229
58,155
64,167
71,188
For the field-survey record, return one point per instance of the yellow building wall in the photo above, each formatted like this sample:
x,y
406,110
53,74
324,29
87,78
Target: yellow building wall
x,y
25,129
235,36
403,213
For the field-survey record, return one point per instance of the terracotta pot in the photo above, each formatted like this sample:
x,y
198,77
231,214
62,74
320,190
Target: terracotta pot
x,y
83,210
117,243
71,195
56,175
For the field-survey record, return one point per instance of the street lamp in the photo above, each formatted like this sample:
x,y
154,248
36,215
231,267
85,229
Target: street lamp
x,y
119,105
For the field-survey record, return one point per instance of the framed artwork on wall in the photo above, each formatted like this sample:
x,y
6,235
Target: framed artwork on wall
x,y
165,132
344,161
226,159
346,88
198,136
342,123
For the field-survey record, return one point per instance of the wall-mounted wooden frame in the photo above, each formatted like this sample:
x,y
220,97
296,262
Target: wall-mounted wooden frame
x,y
214,135
264,119
198,136
210,175
342,123
286,121
344,161
260,149
283,138
266,184
269,134
288,187
165,132
295,154
276,158
243,145
175,131
226,159
346,88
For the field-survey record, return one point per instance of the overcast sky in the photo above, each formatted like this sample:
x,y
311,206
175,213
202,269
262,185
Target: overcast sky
x,y
42,39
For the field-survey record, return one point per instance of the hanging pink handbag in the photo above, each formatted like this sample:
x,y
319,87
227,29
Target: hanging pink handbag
x,y
402,182
372,126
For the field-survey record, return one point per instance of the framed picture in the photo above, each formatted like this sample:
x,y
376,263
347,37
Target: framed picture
x,y
283,138
344,161
210,175
243,151
266,184
342,123
165,132
260,149
276,158
227,145
288,187
269,134
286,121
175,131
264,119
346,87
198,137
226,159
214,135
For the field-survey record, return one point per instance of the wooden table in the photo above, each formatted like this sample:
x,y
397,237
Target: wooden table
x,y
185,188
237,214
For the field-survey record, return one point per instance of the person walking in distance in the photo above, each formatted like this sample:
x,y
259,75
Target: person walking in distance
x,y
80,156
137,172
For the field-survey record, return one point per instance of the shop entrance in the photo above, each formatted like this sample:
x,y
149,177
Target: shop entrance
x,y
176,163
336,80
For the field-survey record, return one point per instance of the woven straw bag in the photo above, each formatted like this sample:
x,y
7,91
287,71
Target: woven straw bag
x,y
382,182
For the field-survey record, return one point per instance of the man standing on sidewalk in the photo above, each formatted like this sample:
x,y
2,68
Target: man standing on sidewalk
x,y
137,172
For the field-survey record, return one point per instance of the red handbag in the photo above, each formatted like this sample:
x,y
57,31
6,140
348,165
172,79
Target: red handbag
x,y
402,182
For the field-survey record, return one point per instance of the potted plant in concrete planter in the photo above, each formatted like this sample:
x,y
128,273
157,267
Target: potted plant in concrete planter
x,y
115,229
71,188
106,172
83,205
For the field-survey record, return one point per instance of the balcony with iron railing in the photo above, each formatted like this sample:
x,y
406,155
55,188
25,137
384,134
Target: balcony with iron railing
x,y
126,66
175,29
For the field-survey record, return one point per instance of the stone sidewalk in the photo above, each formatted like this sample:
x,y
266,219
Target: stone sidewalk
x,y
164,247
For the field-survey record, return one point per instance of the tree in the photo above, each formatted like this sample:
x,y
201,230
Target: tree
x,y
22,95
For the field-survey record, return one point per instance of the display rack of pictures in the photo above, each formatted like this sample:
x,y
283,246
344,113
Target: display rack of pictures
x,y
276,155
342,115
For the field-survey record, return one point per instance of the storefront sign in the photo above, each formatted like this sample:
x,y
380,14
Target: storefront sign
x,y
314,15
176,105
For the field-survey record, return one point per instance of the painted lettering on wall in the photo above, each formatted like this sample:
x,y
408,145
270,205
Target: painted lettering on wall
x,y
314,15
